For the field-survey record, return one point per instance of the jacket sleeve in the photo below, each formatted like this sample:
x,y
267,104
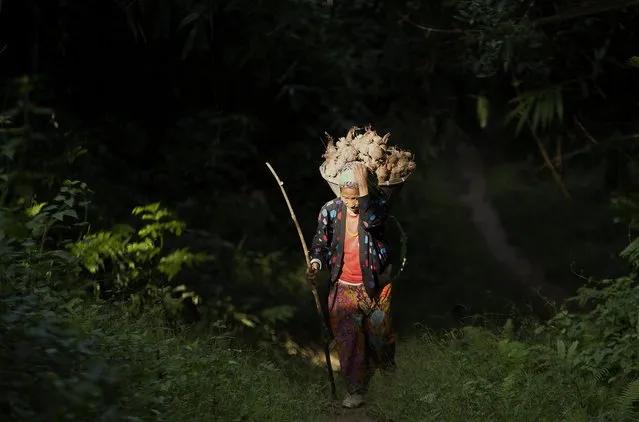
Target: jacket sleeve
x,y
373,212
322,238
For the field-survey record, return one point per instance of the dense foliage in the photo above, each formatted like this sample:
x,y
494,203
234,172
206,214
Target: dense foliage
x,y
144,246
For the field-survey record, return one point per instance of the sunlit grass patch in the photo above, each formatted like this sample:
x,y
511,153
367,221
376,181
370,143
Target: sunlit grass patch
x,y
473,375
180,376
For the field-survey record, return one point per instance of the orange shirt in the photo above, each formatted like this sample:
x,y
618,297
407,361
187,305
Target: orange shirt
x,y
351,267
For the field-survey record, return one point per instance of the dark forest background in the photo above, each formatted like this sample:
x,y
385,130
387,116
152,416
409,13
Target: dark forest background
x,y
144,245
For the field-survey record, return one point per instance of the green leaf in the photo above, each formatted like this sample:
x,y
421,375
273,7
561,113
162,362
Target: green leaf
x,y
66,213
482,111
13,112
278,313
246,322
561,348
191,17
132,24
572,349
43,111
71,213
190,41
10,147
35,209
536,117
560,106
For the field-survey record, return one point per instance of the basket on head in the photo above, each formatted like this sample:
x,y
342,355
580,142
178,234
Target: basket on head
x,y
390,189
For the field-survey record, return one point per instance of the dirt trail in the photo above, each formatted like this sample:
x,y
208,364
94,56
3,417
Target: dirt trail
x,y
486,219
352,415
316,358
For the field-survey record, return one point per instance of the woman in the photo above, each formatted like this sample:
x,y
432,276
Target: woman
x,y
350,241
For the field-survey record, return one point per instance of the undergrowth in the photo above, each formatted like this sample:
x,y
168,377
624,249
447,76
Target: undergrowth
x,y
182,374
69,356
476,375
92,329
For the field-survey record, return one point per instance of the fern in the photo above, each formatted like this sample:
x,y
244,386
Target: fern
x,y
626,400
601,374
134,263
631,253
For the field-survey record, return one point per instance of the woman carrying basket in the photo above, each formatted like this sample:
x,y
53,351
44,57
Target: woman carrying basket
x,y
350,241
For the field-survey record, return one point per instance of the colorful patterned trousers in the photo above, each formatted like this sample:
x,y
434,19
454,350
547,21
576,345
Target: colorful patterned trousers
x,y
363,333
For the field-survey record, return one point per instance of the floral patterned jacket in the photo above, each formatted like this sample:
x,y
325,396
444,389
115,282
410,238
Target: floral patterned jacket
x,y
327,246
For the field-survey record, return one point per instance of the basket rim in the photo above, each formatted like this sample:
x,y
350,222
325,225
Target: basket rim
x,y
386,183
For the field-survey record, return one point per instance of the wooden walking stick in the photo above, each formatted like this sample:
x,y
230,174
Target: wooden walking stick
x,y
318,304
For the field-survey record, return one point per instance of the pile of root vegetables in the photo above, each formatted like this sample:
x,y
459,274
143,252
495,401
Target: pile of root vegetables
x,y
366,146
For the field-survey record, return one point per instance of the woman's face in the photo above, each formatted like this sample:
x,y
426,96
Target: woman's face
x,y
350,197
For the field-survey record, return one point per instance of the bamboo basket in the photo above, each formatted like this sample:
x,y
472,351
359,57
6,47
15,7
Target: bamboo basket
x,y
390,189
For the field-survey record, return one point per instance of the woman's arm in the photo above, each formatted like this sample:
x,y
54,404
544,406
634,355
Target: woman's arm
x,y
372,212
321,239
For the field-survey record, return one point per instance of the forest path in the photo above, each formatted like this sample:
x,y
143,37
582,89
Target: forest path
x,y
486,218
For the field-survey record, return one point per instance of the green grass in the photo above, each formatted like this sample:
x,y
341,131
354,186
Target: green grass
x,y
476,376
143,370
467,374
182,375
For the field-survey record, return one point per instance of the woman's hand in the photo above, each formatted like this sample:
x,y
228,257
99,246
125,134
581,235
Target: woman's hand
x,y
361,177
311,272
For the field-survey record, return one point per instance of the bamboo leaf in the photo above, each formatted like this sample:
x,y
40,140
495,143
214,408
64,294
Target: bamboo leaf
x,y
188,46
191,17
482,111
131,23
536,116
560,106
